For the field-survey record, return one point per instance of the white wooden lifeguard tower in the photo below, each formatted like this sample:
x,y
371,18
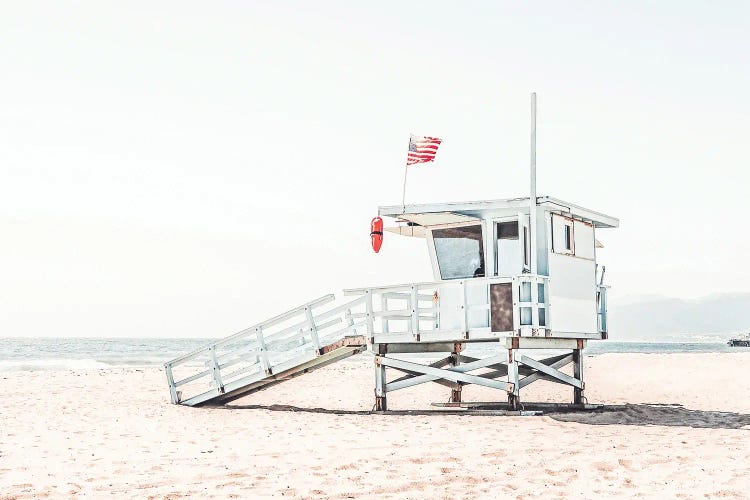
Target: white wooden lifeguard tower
x,y
514,274
484,291
488,288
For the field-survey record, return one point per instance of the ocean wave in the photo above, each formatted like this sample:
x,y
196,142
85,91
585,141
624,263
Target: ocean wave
x,y
51,364
39,364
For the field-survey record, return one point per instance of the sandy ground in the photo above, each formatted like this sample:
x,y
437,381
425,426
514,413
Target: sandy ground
x,y
112,433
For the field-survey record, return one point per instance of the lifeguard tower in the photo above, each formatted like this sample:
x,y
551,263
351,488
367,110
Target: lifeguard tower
x,y
518,275
488,288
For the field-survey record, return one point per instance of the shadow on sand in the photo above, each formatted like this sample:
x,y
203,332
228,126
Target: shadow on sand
x,y
656,414
628,414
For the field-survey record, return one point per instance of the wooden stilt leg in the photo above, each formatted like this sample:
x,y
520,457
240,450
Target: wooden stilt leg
x,y
456,391
578,397
513,397
381,403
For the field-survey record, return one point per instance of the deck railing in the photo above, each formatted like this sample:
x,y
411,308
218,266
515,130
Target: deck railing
x,y
441,309
451,310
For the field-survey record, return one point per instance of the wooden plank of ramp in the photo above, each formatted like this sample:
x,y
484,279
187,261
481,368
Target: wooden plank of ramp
x,y
331,353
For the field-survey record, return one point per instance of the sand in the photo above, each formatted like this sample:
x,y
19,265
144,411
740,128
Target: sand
x,y
112,433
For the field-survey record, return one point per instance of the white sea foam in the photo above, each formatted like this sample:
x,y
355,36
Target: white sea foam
x,y
27,354
51,364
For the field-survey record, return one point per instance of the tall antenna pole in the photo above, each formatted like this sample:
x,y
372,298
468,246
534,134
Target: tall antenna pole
x,y
403,197
532,194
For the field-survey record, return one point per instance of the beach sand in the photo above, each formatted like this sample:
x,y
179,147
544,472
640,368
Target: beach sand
x,y
112,433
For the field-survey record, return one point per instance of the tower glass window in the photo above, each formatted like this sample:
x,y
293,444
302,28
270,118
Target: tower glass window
x,y
459,250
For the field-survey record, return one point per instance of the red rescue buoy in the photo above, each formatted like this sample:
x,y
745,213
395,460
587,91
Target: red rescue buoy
x,y
376,233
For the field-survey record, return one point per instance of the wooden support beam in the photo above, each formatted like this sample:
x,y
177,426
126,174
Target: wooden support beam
x,y
454,358
543,343
410,375
456,375
500,368
412,347
381,403
514,399
172,387
437,364
351,341
216,370
548,370
405,382
578,397
556,362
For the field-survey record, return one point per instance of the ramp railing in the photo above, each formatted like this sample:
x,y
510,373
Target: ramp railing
x,y
265,349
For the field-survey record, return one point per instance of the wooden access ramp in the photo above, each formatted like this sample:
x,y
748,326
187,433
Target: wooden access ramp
x,y
337,351
291,344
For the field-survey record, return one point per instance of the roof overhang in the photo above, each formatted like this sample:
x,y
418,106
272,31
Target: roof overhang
x,y
432,214
413,231
598,219
436,218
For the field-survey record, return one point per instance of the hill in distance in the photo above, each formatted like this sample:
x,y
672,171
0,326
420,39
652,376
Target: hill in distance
x,y
654,318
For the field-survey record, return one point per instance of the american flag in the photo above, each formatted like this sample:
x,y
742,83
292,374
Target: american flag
x,y
422,149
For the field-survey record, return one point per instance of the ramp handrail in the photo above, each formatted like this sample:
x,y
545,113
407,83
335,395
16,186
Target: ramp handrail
x,y
283,341
281,317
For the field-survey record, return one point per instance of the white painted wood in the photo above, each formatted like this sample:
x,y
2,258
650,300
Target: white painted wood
x,y
244,333
530,379
172,387
440,373
548,370
498,206
460,311
436,218
513,372
572,294
411,231
467,367
264,361
584,242
508,254
380,378
542,343
313,328
414,316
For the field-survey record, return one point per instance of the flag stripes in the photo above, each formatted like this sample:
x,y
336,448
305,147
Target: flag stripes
x,y
422,149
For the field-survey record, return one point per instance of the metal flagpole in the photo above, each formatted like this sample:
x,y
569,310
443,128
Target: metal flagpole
x,y
403,198
532,194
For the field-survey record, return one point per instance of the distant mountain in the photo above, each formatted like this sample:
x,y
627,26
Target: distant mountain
x,y
660,316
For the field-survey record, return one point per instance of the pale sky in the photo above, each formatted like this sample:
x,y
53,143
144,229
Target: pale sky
x,y
188,169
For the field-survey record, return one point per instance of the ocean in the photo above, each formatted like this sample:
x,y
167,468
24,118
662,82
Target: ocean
x,y
70,353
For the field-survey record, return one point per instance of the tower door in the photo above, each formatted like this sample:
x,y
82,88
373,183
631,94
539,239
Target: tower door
x,y
511,246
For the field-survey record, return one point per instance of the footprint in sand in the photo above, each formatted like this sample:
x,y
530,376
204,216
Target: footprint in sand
x,y
238,474
604,467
